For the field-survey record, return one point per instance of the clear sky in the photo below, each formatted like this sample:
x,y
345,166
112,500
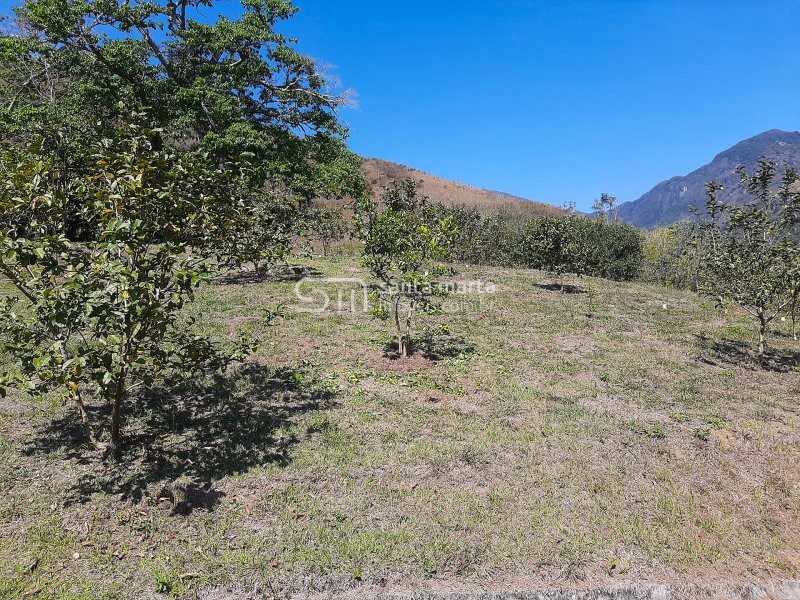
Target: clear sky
x,y
558,100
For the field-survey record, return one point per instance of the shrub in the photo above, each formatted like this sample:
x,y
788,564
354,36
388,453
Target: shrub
x,y
553,244
559,245
325,226
485,239
611,250
98,319
405,238
670,256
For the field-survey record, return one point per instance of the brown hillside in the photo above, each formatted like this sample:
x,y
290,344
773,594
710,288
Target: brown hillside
x,y
378,173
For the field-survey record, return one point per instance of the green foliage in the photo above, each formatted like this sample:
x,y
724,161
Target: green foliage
x,y
326,225
614,250
654,431
405,237
555,245
485,239
96,320
559,245
72,72
107,229
582,247
749,250
232,86
671,256
265,225
702,433
604,207
163,583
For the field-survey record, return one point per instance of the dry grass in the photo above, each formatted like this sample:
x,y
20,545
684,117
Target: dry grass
x,y
378,173
591,438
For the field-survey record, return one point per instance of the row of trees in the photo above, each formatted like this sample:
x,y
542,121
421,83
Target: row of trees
x,y
406,237
745,253
561,245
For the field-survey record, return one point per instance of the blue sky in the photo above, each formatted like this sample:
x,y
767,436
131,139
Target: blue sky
x,y
555,100
558,100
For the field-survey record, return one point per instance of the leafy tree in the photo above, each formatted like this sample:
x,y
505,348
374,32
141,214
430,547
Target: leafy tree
x,y
95,321
230,86
107,229
554,244
749,249
580,246
405,239
604,207
570,207
611,250
263,230
72,70
326,226
485,239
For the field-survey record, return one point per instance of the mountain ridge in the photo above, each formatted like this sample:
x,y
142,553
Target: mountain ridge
x,y
668,202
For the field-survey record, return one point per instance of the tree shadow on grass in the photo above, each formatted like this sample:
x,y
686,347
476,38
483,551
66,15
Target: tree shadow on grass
x,y
181,437
433,346
744,355
786,335
437,346
290,273
567,288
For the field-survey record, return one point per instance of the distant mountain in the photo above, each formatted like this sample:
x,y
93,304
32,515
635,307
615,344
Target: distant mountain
x,y
669,201
378,173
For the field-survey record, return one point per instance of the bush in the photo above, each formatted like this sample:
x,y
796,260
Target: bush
x,y
96,321
582,247
485,239
405,239
559,245
670,257
611,250
552,244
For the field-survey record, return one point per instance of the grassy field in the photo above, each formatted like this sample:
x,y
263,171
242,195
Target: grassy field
x,y
619,433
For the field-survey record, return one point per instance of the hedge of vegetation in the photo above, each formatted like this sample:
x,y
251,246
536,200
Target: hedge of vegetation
x,y
560,245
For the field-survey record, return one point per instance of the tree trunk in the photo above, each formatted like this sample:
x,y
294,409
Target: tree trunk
x,y
116,415
87,424
401,342
408,333
762,333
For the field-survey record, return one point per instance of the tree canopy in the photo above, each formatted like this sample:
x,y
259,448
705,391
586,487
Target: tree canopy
x,y
141,149
73,69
